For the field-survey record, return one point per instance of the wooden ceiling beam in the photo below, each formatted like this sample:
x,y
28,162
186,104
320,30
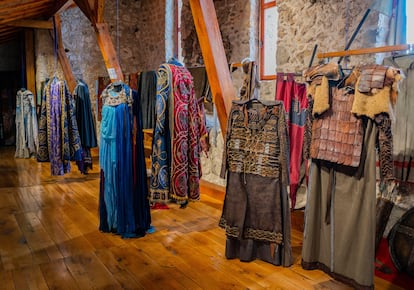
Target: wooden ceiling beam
x,y
86,9
40,14
25,8
29,23
8,28
29,50
15,3
211,43
63,59
93,10
62,5
361,51
99,9
7,37
108,52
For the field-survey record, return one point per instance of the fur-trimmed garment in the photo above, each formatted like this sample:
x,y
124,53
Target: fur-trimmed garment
x,y
339,235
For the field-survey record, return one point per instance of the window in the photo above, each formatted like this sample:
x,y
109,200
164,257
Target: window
x,y
177,48
268,39
409,10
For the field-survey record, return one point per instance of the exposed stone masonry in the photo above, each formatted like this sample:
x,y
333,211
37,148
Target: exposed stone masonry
x,y
139,36
329,24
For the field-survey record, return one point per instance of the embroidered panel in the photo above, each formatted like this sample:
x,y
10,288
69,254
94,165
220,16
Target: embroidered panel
x,y
254,143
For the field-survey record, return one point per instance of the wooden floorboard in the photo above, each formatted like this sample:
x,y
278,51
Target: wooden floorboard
x,y
49,239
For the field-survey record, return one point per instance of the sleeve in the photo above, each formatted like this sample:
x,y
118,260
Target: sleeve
x,y
385,147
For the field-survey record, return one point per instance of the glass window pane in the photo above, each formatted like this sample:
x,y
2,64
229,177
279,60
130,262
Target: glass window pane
x,y
410,21
270,40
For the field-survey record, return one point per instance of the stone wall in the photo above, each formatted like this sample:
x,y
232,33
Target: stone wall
x,y
239,39
137,34
329,24
47,63
234,22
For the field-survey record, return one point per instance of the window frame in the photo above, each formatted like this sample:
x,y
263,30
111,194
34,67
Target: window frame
x,y
178,32
263,7
409,29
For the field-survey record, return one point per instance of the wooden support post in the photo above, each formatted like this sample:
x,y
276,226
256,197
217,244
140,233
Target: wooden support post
x,y
29,23
108,52
368,50
63,59
94,11
30,60
211,43
99,7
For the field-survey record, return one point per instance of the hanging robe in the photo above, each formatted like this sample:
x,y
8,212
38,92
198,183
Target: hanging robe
x,y
119,202
27,140
176,167
59,140
347,135
85,122
256,215
295,101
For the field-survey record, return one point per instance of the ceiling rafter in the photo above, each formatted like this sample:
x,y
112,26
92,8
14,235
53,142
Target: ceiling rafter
x,y
18,14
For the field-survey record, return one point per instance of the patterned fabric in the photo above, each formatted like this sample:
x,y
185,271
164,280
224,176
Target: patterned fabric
x,y
256,213
176,168
185,166
256,152
383,123
27,140
59,140
307,139
160,177
295,101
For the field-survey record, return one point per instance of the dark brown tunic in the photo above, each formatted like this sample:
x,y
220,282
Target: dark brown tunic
x,y
256,213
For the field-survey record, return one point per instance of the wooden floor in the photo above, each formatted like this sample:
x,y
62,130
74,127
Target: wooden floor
x,y
49,239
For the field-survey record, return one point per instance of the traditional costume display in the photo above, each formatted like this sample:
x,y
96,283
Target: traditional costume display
x,y
351,121
256,214
161,141
59,140
27,140
295,101
86,124
176,167
122,205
